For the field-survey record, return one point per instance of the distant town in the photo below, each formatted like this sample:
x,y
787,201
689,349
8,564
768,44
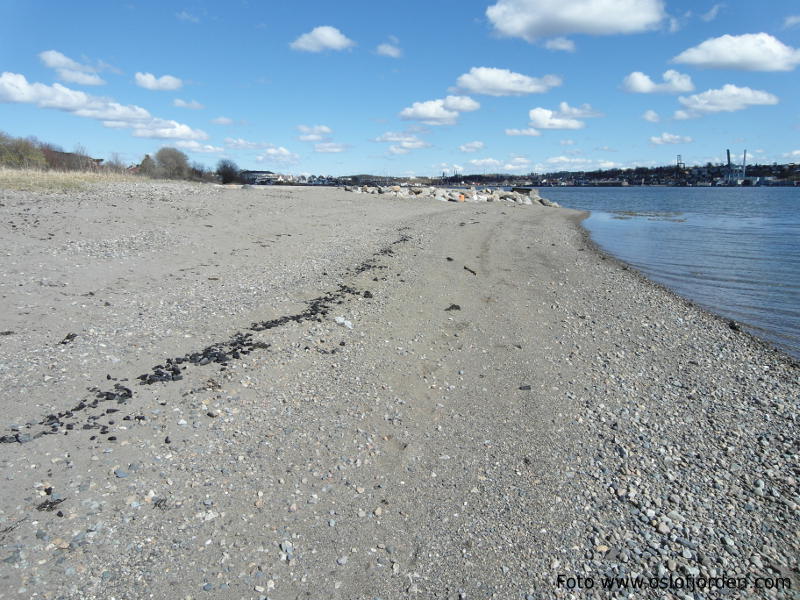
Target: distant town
x,y
672,175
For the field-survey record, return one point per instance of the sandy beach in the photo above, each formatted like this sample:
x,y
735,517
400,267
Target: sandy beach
x,y
306,393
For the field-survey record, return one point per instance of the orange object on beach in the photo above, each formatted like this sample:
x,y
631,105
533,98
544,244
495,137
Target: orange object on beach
x,y
461,197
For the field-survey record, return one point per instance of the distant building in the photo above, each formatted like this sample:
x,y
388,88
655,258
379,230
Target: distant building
x,y
260,177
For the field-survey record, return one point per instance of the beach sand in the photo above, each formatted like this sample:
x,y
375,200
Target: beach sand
x,y
499,405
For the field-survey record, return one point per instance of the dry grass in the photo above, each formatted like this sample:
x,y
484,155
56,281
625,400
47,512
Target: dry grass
x,y
57,181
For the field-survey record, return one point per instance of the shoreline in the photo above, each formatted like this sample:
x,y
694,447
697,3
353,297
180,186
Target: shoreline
x,y
766,344
511,404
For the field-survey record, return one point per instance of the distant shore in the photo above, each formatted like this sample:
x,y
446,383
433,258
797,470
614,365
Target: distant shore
x,y
288,391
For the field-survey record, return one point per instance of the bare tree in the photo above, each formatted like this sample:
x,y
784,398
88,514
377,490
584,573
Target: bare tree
x,y
172,163
148,167
228,171
115,163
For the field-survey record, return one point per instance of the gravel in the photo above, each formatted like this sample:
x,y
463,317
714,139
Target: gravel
x,y
570,421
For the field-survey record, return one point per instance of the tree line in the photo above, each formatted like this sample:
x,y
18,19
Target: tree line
x,y
167,163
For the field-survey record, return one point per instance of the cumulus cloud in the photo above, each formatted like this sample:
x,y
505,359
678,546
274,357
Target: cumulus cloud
x,y
322,38
16,88
163,83
529,132
535,19
277,154
167,129
674,82
193,146
669,138
439,112
544,118
729,98
561,44
391,49
330,147
485,162
584,111
191,104
502,82
222,121
461,103
471,146
566,117
517,163
402,143
313,133
69,70
748,52
242,144
651,115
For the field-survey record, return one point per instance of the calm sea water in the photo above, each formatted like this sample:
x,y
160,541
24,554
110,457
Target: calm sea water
x,y
735,251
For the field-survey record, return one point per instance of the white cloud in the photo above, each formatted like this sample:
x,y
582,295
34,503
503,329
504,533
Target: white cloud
x,y
16,88
502,82
242,144
485,162
402,143
567,142
277,154
390,50
461,103
313,133
69,70
792,154
80,77
584,111
518,163
791,21
471,146
713,13
729,98
651,115
534,19
439,112
192,104
529,132
567,117
222,121
581,164
674,82
322,38
669,138
748,52
167,129
330,147
193,146
151,82
561,44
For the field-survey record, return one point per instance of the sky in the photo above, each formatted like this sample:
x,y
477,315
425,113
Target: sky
x,y
407,88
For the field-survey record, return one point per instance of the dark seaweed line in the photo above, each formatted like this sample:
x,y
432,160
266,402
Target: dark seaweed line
x,y
221,353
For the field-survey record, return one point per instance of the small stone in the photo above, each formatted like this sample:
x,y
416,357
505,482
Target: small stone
x,y
342,560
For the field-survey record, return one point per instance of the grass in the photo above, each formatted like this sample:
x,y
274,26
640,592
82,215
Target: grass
x,y
34,180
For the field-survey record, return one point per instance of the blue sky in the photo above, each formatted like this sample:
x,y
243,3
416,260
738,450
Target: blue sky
x,y
407,88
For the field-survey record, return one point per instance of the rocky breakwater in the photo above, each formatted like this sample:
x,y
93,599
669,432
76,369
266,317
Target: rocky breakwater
x,y
524,196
